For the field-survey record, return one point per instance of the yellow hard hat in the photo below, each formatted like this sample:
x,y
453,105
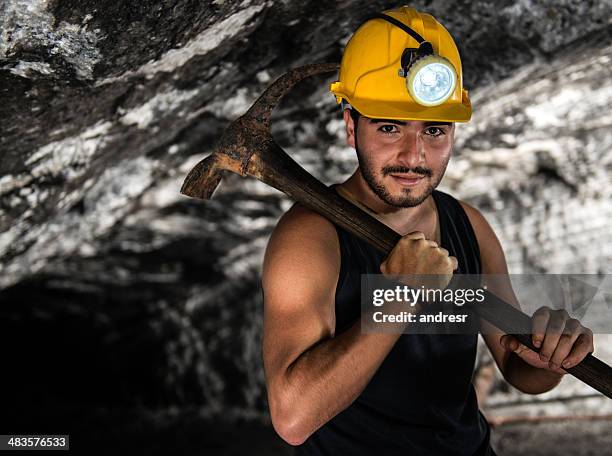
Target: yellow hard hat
x,y
403,65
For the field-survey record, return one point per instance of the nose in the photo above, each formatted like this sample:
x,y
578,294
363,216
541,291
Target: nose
x,y
411,153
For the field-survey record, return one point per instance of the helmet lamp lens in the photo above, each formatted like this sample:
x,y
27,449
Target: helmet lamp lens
x,y
431,84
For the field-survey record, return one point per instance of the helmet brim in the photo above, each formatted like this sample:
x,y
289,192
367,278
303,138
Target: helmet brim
x,y
455,112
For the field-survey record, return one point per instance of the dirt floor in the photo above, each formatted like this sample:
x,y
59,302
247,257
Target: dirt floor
x,y
183,432
576,438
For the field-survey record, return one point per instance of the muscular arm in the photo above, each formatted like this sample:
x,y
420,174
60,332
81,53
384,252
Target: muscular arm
x,y
516,371
311,374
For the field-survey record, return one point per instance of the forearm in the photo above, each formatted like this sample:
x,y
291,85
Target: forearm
x,y
328,377
529,379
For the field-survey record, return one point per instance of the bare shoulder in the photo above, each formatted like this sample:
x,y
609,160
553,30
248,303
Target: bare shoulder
x,y
300,221
299,233
481,227
302,260
491,252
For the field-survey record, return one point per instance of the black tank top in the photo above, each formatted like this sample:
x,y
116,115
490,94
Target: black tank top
x,y
421,400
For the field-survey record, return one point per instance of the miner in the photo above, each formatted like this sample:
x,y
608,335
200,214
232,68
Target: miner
x,y
334,389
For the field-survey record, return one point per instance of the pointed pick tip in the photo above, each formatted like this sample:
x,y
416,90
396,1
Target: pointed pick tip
x,y
202,180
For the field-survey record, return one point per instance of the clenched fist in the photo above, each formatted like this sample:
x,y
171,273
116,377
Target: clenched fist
x,y
414,255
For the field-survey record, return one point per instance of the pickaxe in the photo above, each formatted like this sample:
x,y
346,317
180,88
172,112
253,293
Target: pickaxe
x,y
247,148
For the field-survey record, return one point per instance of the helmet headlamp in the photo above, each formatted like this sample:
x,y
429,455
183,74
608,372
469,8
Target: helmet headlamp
x,y
430,78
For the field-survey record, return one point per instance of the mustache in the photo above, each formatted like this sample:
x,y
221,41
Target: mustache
x,y
403,169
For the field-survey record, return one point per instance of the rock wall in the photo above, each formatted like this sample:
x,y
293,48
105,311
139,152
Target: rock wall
x,y
153,298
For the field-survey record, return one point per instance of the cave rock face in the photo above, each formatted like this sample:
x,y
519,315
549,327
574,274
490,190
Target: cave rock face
x,y
105,106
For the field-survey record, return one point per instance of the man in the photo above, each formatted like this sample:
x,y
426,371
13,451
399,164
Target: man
x,y
334,389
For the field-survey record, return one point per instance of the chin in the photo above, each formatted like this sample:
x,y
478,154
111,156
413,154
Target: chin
x,y
408,196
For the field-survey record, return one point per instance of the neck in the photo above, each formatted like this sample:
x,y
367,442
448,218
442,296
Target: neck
x,y
401,219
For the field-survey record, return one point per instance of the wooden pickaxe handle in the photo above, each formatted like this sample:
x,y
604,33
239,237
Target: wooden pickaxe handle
x,y
247,148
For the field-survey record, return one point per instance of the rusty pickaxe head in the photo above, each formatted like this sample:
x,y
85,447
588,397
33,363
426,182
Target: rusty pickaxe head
x,y
246,140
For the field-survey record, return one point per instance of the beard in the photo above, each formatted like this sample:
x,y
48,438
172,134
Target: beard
x,y
408,197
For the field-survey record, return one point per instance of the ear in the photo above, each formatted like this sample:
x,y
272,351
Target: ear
x,y
350,128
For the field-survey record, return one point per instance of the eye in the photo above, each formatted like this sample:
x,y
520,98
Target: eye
x,y
389,129
434,131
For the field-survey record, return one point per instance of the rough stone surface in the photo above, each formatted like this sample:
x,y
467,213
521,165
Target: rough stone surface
x,y
152,298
